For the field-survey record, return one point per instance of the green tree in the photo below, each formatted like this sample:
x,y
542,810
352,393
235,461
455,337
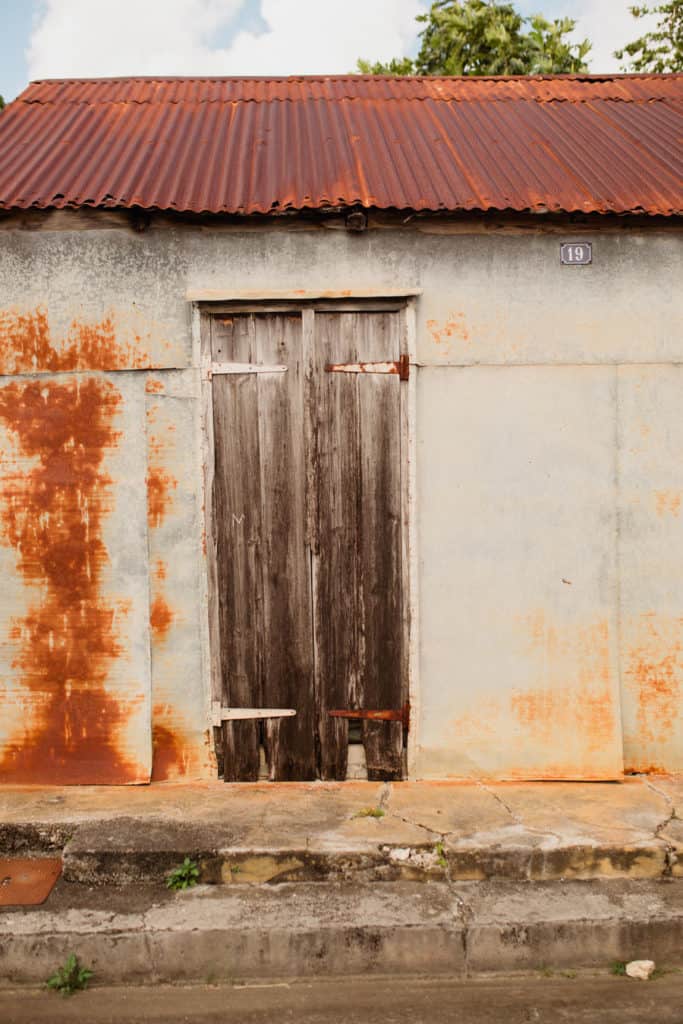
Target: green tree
x,y
2,103
660,50
482,37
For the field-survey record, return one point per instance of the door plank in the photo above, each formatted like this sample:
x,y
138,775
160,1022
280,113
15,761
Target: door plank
x,y
358,569
237,518
380,547
286,639
335,407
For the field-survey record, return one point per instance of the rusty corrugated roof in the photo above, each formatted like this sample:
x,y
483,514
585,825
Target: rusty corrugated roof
x,y
268,145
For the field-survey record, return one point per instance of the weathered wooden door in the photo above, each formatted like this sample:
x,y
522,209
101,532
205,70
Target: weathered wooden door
x,y
307,529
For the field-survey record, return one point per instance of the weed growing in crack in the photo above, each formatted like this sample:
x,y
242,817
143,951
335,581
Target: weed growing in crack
x,y
69,978
184,876
440,852
369,812
618,968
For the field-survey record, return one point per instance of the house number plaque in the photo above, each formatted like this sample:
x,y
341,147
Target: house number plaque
x,y
576,254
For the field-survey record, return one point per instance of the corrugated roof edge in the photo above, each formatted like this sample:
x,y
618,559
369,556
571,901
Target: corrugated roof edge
x,y
355,78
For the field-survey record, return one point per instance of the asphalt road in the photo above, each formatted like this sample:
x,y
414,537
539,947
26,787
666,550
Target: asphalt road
x,y
536,1000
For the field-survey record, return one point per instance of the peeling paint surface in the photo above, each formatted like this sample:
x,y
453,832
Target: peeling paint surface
x,y
527,664
179,727
651,560
28,345
57,493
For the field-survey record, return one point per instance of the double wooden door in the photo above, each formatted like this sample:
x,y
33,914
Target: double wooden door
x,y
307,539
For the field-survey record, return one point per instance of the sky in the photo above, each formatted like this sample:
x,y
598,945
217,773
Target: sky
x,y
91,38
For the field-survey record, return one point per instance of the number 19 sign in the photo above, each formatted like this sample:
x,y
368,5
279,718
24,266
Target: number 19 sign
x,y
576,254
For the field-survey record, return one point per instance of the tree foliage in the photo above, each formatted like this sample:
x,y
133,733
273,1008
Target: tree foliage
x,y
483,37
2,103
660,50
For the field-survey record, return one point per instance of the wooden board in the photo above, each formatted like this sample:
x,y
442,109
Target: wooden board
x,y
237,519
358,606
264,578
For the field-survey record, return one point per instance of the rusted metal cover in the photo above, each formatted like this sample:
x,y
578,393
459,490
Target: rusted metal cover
x,y
247,146
27,881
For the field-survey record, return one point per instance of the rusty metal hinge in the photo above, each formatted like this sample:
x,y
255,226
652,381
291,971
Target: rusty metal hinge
x,y
400,367
391,715
220,714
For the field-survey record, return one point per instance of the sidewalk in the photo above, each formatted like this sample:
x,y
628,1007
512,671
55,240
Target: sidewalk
x,y
314,831
456,880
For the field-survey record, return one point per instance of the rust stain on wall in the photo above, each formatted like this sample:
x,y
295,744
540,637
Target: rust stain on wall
x,y
668,503
154,386
27,346
576,692
160,482
173,757
454,328
161,616
55,497
654,674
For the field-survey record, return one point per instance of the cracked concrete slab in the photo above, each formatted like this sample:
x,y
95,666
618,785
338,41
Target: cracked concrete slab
x,y
321,831
463,810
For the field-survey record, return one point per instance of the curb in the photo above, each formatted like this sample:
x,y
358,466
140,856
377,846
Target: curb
x,y
222,934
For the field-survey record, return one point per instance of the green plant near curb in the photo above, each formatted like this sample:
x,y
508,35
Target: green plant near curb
x,y
184,876
370,812
618,967
70,978
440,852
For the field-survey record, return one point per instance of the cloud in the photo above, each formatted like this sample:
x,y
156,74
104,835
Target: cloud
x,y
84,38
609,25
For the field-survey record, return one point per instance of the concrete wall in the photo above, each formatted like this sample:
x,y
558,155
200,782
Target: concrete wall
x,y
548,514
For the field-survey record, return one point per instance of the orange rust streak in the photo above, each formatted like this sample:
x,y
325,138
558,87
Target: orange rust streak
x,y
455,326
26,346
168,755
159,486
160,482
654,673
52,514
161,616
585,702
175,755
668,503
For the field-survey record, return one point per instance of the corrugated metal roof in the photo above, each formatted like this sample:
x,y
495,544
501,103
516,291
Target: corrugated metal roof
x,y
267,145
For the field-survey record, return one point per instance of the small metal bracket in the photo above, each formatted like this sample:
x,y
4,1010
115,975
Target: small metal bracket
x,y
221,368
400,367
401,715
220,714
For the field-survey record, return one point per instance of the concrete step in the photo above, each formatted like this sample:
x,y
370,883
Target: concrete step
x,y
224,933
131,851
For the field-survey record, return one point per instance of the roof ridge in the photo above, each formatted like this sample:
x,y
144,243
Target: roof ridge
x,y
574,77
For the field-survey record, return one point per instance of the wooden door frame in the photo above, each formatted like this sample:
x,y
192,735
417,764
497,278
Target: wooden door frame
x,y
405,306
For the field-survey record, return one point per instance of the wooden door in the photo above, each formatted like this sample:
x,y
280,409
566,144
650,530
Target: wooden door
x,y
308,528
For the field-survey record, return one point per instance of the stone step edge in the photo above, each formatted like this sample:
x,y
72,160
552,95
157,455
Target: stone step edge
x,y
386,863
457,861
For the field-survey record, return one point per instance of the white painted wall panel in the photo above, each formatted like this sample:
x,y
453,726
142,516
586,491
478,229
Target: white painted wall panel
x,y
651,565
517,534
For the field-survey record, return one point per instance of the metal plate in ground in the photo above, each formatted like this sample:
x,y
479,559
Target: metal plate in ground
x,y
27,881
